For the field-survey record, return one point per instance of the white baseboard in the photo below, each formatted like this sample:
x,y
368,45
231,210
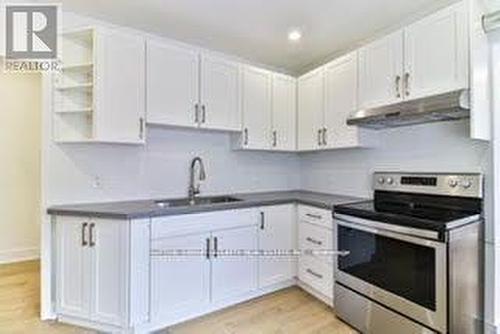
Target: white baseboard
x,y
19,255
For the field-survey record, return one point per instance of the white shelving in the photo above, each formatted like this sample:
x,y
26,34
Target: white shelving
x,y
73,88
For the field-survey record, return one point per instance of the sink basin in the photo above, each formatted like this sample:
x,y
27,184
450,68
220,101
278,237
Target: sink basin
x,y
197,201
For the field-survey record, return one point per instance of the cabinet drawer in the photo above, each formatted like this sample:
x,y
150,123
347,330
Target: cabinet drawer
x,y
169,226
316,274
316,216
316,238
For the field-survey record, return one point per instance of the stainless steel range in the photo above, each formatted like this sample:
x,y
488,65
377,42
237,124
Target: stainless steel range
x,y
412,257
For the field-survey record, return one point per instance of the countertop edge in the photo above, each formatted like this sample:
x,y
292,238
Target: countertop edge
x,y
295,197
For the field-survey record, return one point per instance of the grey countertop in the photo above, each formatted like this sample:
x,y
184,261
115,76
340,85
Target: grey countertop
x,y
149,208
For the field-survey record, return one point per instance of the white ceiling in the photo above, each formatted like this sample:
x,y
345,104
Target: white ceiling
x,y
257,29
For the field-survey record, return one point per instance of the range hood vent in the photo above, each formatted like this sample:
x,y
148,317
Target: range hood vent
x,y
445,107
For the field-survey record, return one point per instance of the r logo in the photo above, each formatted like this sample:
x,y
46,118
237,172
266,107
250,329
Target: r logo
x,y
31,32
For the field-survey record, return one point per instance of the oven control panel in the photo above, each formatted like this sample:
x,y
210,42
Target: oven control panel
x,y
464,185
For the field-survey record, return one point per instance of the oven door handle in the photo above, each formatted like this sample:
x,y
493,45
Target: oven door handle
x,y
392,235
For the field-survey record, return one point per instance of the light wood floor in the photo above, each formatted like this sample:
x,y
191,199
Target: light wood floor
x,y
288,311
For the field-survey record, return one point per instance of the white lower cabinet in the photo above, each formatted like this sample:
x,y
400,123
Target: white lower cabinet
x,y
132,276
95,281
180,282
277,233
91,271
316,235
233,274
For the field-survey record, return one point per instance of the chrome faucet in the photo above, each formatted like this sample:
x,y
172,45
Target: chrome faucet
x,y
195,189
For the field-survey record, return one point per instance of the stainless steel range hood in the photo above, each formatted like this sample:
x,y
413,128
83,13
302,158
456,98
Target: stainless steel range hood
x,y
445,107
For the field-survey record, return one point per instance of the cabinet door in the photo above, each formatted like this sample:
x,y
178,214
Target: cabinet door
x,y
108,241
256,104
341,101
180,283
310,110
73,267
436,53
219,94
120,87
380,72
276,233
233,275
284,113
173,84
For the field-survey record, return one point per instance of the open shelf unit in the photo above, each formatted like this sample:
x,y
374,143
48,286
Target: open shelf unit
x,y
74,88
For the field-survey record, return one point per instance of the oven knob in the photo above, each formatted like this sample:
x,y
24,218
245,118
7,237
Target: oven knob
x,y
381,180
452,183
390,180
466,184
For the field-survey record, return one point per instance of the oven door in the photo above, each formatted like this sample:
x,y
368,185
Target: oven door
x,y
401,271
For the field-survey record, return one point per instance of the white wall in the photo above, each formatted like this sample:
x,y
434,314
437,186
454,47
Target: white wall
x,y
20,115
439,147
160,169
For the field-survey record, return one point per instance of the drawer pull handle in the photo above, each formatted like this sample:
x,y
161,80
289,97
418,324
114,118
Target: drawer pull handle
x,y
313,241
91,235
84,238
310,215
343,253
315,274
216,246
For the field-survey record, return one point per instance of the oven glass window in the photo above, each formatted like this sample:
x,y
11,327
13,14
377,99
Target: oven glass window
x,y
403,268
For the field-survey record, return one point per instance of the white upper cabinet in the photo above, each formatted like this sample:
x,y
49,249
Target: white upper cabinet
x,y
120,87
310,110
436,53
219,108
380,71
99,95
341,101
172,85
256,105
429,57
284,114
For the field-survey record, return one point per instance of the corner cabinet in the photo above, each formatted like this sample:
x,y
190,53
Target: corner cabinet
x,y
100,65
284,113
311,100
187,88
256,102
269,110
327,96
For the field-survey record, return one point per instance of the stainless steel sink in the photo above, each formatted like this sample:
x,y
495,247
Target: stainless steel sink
x,y
197,201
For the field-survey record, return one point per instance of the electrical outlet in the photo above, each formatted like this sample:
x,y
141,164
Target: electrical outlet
x,y
96,182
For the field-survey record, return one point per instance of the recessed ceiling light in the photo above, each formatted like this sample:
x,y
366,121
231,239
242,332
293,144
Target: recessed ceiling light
x,y
294,35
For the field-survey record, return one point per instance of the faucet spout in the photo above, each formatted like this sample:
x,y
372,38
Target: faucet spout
x,y
194,189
